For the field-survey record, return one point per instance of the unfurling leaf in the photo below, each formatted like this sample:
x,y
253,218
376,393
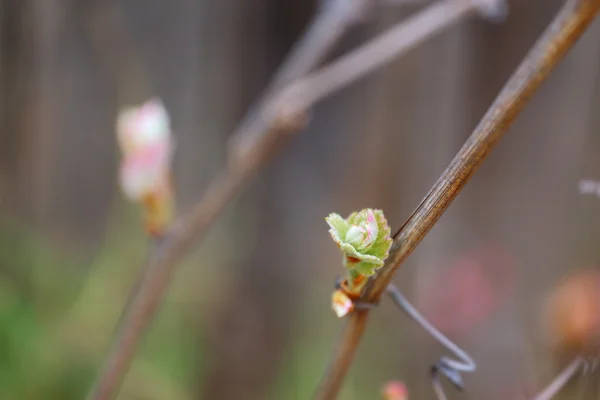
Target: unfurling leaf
x,y
365,242
364,239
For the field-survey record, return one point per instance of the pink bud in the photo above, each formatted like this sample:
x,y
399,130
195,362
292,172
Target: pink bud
x,y
144,172
145,139
394,390
142,127
341,303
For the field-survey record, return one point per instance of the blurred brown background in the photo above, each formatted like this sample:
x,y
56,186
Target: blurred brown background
x,y
248,315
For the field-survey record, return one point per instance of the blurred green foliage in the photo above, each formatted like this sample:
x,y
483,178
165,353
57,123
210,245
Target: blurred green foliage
x,y
56,320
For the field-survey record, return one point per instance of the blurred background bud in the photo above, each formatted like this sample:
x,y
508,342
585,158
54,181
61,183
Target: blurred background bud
x,y
143,127
146,144
469,290
573,314
394,390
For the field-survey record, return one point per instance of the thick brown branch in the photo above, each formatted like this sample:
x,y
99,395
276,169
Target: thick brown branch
x,y
281,111
560,36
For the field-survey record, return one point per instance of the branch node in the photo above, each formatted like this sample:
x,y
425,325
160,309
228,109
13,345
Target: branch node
x,y
289,112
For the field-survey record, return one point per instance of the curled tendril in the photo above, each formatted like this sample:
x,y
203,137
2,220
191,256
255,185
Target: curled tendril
x,y
448,367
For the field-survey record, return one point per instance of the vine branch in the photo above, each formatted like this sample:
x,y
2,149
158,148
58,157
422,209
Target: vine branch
x,y
559,37
327,27
281,111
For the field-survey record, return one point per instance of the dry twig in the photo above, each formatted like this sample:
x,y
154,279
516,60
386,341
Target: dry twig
x,y
561,380
324,32
378,52
257,139
559,37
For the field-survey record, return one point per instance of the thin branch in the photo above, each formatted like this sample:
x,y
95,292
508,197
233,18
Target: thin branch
x,y
293,102
379,52
558,38
330,23
447,366
262,137
561,380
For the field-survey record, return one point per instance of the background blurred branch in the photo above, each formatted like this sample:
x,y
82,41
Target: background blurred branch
x,y
559,37
561,380
327,28
298,97
258,138
383,49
